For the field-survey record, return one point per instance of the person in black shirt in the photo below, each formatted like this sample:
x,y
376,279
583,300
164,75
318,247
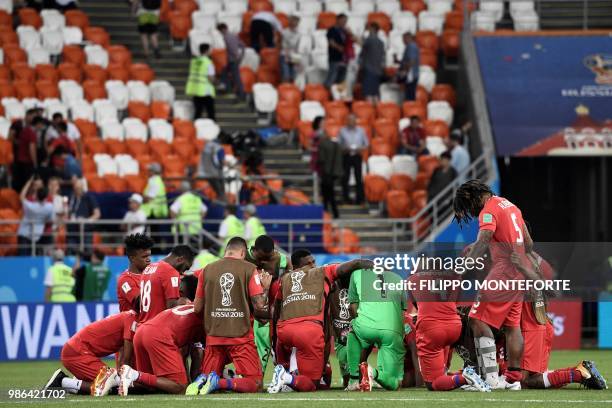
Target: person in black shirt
x,y
441,177
82,206
336,40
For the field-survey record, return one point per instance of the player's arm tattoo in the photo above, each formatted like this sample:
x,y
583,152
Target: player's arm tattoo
x,y
350,266
481,245
261,309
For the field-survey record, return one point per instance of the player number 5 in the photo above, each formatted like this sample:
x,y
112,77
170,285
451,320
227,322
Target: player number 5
x,y
145,295
519,239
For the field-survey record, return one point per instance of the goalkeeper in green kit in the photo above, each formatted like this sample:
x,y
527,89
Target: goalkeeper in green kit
x,y
378,323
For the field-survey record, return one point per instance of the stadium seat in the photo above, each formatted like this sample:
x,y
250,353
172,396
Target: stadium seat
x,y
526,20
161,129
52,40
93,90
427,164
382,147
87,128
287,115
404,164
160,149
440,7
118,72
404,21
413,108
29,17
29,37
97,35
162,91
23,72
47,72
115,183
12,53
267,75
180,25
380,165
140,110
95,73
326,20
398,204
97,184
113,130
382,19
184,149
38,56
8,37
429,58
7,90
46,89
73,54
336,110
435,145
387,130
184,129
332,127
72,35
375,187
104,111
248,78
5,17
414,6
309,110
402,182
431,21
77,18
265,97
134,129
305,133
389,110
427,78
118,93
160,110
219,59
141,72
316,92
183,110
436,128
454,20
94,145
119,54
482,21
135,183
290,93
24,89
450,42
427,40
389,7
364,110
138,91
115,147
206,129
440,110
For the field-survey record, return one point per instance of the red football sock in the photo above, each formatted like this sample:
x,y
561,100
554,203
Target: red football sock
x,y
448,382
563,376
302,383
513,376
147,379
242,385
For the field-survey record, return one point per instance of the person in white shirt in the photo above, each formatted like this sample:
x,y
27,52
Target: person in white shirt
x,y
72,131
264,27
290,57
134,218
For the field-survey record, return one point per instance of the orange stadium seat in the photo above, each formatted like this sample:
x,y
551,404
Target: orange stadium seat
x,y
173,164
95,73
283,18
184,129
115,183
427,164
364,110
94,145
427,40
268,75
73,54
287,115
292,196
9,199
93,90
382,19
135,183
119,54
326,20
382,147
77,18
387,130
46,89
270,58
6,152
8,37
429,58
366,126
164,11
415,6
422,96
347,241
159,149
86,128
305,133
454,20
180,24
375,187
144,160
260,5
184,148
450,43
140,110
206,189
421,181
332,127
47,72
141,72
97,35
219,58
389,110
136,147
436,128
5,18
5,73
24,89
419,197
248,78
97,184
413,108
22,71
401,182
160,110
118,72
185,6
247,16
7,90
290,93
398,204
29,16
88,164
316,92
336,110
13,53
115,147
444,92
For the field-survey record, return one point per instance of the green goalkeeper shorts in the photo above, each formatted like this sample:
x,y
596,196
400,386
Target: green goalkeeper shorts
x,y
263,343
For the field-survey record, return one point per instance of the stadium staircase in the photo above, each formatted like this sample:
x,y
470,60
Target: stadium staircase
x,y
570,14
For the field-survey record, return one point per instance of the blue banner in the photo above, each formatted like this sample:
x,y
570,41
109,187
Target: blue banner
x,y
38,331
538,86
604,317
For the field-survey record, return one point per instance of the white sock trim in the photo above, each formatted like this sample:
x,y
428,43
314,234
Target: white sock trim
x,y
71,385
545,378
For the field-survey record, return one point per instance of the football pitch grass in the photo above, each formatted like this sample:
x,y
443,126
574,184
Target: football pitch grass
x,y
33,375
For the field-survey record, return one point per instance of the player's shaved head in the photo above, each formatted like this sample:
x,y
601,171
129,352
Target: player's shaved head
x,y
301,258
181,257
138,250
189,284
469,201
236,244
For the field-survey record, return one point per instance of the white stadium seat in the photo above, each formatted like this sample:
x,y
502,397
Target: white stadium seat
x,y
203,21
13,109
496,8
210,8
403,124
337,6
162,91
70,91
134,128
104,111
265,97
427,77
29,103
127,166
235,6
113,130
161,129
431,21
29,37
520,7
250,59
206,129
440,110
117,92
1,56
308,23
309,110
362,7
319,38
72,35
183,110
6,5
356,23
380,165
404,21
139,91
82,110
53,106
232,19
390,92
527,20
96,55
285,6
435,145
482,21
197,37
52,40
5,126
38,56
389,7
52,18
310,8
106,167
440,6
405,164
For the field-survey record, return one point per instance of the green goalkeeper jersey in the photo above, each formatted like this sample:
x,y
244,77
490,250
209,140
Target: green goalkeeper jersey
x,y
380,297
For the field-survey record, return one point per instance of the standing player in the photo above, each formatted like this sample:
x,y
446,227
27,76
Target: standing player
x,y
303,294
138,250
438,327
502,231
263,255
82,354
158,344
538,333
227,292
159,285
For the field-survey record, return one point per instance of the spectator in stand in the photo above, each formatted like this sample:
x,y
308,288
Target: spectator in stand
x,y
72,132
36,214
290,57
155,204
442,176
372,62
235,52
59,280
337,37
26,159
82,207
61,5
91,279
330,168
408,72
265,26
460,158
353,141
134,218
60,202
317,135
147,12
59,146
210,167
200,83
413,138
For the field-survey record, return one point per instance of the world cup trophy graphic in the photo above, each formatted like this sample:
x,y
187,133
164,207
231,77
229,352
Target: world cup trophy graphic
x,y
601,66
226,282
296,281
344,304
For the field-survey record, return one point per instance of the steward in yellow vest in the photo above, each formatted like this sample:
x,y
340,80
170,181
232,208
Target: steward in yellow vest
x,y
200,83
189,210
59,281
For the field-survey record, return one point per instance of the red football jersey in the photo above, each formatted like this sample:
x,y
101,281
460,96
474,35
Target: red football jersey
x,y
128,289
181,323
433,304
106,336
160,282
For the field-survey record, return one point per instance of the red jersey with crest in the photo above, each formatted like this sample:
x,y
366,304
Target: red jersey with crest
x,y
105,336
160,282
180,323
128,289
432,304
